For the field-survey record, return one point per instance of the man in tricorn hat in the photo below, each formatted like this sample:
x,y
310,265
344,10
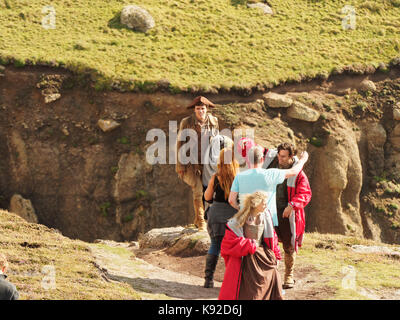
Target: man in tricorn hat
x,y
206,126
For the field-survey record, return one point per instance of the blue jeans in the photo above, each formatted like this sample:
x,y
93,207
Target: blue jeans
x,y
215,247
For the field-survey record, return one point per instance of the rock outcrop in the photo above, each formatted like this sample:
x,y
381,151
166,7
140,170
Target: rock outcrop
x,y
337,180
23,208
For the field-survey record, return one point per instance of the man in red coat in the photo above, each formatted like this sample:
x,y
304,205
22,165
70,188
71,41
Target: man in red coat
x,y
291,198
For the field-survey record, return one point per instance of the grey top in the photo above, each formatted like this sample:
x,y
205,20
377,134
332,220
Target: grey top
x,y
7,290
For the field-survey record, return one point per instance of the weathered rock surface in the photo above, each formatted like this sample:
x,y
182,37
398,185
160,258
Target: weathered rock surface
x,y
23,208
396,112
300,111
275,100
395,138
337,175
376,138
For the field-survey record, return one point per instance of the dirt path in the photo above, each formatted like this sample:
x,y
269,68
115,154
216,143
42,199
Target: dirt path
x,y
157,275
151,281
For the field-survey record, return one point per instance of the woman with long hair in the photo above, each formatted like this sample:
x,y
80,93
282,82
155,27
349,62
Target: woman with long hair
x,y
250,250
220,211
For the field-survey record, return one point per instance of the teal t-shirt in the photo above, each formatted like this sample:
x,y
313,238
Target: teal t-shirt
x,y
252,180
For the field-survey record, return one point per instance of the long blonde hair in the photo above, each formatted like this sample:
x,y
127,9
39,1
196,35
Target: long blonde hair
x,y
228,167
251,201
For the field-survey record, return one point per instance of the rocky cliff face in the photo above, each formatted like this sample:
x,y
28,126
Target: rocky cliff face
x,y
91,180
81,180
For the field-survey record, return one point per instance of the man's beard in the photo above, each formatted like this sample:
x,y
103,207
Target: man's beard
x,y
286,165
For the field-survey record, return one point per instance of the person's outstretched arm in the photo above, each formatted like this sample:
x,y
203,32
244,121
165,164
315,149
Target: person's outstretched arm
x,y
233,199
295,170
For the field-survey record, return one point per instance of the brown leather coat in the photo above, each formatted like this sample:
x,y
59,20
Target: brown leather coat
x,y
191,170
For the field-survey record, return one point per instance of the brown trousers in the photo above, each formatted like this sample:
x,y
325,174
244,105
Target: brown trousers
x,y
195,182
285,235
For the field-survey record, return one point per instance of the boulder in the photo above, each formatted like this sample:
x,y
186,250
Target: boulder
x,y
367,85
108,125
160,238
263,6
23,208
300,111
177,241
137,18
275,100
192,244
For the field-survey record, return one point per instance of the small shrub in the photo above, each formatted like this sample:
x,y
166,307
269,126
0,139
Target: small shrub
x,y
104,208
380,209
141,194
317,142
123,140
19,63
395,225
362,105
381,179
114,169
395,3
80,46
128,218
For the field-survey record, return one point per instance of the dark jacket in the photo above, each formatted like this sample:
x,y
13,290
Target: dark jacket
x,y
7,290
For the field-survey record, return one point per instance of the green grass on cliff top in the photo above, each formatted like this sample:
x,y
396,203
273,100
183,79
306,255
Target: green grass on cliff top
x,y
202,44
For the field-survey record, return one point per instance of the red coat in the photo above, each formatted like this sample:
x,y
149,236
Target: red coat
x,y
299,196
233,248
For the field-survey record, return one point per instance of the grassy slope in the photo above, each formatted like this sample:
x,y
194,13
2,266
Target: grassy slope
x,y
30,247
203,44
332,255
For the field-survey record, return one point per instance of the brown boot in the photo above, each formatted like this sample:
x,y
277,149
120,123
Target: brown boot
x,y
290,258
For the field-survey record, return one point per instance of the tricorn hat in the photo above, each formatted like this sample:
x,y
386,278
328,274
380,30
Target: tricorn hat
x,y
200,100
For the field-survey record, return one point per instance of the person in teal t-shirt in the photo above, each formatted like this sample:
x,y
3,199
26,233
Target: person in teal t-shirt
x,y
258,179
